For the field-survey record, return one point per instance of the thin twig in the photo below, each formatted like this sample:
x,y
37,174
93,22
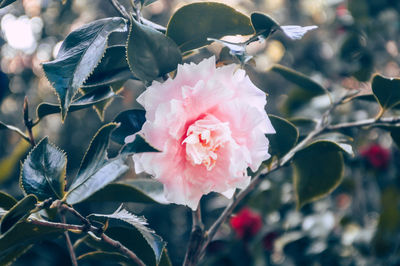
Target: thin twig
x,y
122,249
69,244
385,121
75,213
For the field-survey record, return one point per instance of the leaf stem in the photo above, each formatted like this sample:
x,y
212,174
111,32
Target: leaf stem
x,y
120,8
69,244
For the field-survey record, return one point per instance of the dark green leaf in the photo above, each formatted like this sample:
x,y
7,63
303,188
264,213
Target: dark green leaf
x,y
386,90
112,68
263,24
165,260
150,53
43,171
284,139
18,212
6,201
299,79
4,3
318,170
24,234
96,171
110,257
395,133
137,190
147,2
138,145
296,99
131,121
342,141
192,24
91,98
132,231
13,254
78,56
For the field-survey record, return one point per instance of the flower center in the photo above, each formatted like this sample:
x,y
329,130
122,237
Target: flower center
x,y
204,138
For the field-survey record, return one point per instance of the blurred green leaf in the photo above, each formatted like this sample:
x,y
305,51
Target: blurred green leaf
x,y
131,121
6,201
110,257
137,190
93,97
13,128
43,171
147,2
18,212
395,133
78,56
284,139
318,170
95,171
150,53
192,24
24,234
13,254
296,99
4,3
386,90
263,24
132,231
138,145
112,68
10,163
300,80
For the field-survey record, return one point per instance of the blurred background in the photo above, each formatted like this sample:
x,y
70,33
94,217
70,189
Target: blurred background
x,y
358,224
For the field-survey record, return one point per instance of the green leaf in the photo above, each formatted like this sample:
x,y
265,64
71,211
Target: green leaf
x,y
301,80
386,91
263,24
4,3
137,190
78,56
13,128
132,231
284,139
342,141
6,201
13,254
9,164
93,97
296,99
395,133
150,53
43,171
147,2
18,212
318,170
110,257
131,121
24,234
138,145
95,171
192,24
112,68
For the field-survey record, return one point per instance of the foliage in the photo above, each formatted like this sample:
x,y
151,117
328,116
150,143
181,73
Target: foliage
x,y
327,103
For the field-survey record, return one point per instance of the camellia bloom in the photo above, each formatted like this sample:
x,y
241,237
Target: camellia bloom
x,y
209,124
377,156
246,223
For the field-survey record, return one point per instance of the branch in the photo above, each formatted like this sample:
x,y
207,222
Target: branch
x,y
69,244
122,249
28,122
196,239
386,121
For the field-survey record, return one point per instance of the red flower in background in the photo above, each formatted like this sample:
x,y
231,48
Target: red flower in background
x,y
246,223
377,156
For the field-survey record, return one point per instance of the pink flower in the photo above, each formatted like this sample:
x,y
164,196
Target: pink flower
x,y
377,156
246,223
210,124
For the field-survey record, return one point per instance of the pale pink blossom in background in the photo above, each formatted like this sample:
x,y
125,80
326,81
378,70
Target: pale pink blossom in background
x,y
210,124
